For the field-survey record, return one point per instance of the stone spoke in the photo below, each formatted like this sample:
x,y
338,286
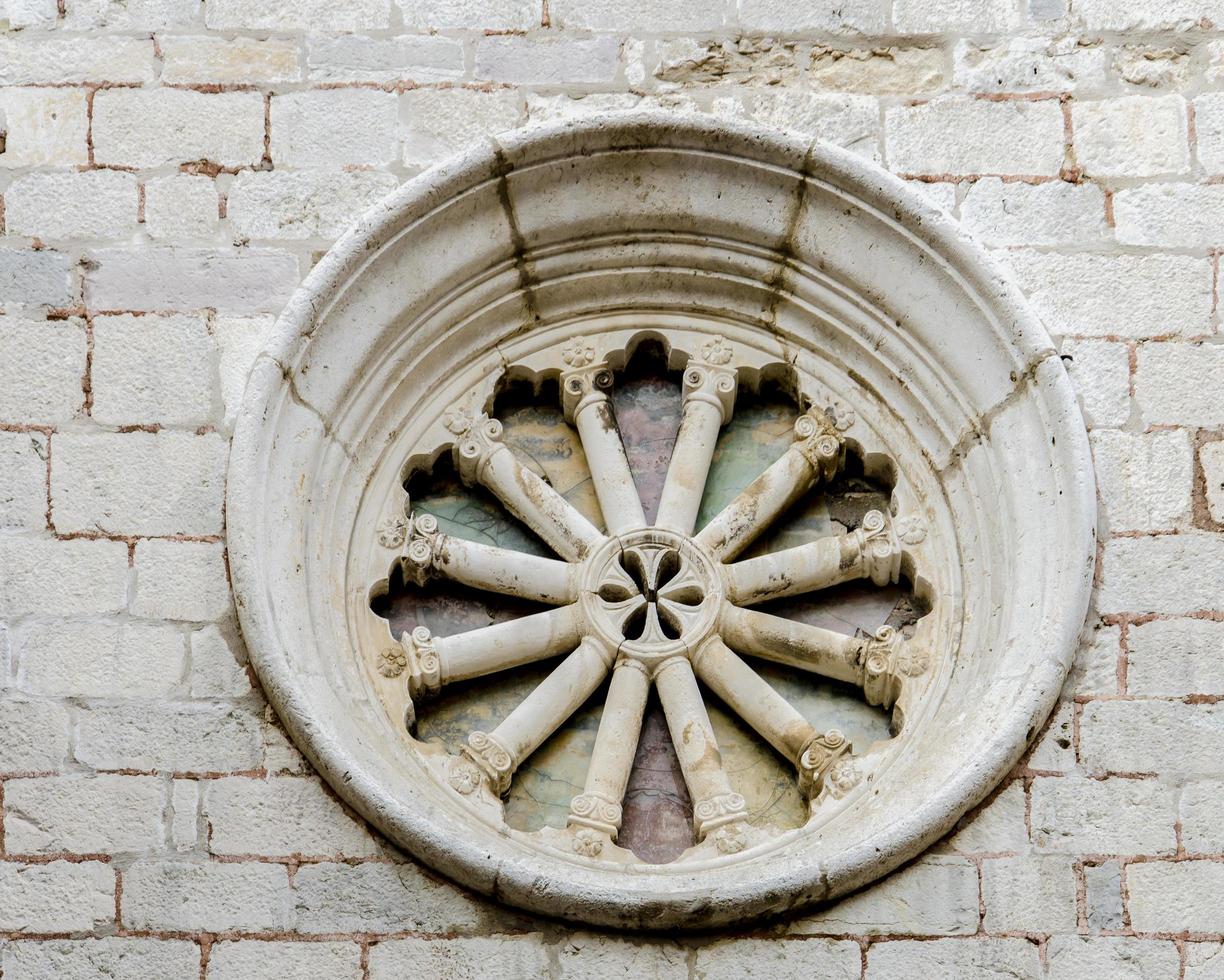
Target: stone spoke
x,y
500,752
816,454
587,406
598,807
481,457
433,662
709,397
879,664
429,552
715,803
773,717
872,551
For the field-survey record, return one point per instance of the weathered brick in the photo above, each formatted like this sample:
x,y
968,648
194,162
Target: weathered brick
x,y
112,957
252,959
1209,131
1073,815
34,277
1028,894
184,818
1153,66
1170,215
1146,15
215,673
1116,957
35,736
239,340
854,17
1117,295
1100,373
480,958
48,577
222,61
552,61
176,895
1052,213
968,136
1176,897
949,16
181,580
94,204
411,58
16,14
334,128
57,61
954,959
851,121
304,204
1095,668
1180,384
138,482
941,193
877,71
443,121
933,896
241,281
130,15
152,369
1165,737
1204,961
1024,64
1134,136
646,16
687,61
586,954
1103,906
379,897
1144,479
83,814
995,828
23,481
491,15
150,127
181,206
279,817
745,958
45,127
297,15
57,897
200,737
1201,813
564,108
1175,657
90,659
1055,749
1127,584
1211,459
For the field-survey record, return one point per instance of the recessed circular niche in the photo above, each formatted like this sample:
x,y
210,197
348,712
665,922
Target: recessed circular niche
x,y
650,448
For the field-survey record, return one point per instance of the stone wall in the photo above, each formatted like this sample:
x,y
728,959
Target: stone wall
x,y
171,168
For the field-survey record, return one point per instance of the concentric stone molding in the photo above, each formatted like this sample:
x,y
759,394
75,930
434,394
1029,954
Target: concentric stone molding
x,y
747,252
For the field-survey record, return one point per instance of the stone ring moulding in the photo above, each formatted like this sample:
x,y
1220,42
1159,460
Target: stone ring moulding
x,y
748,259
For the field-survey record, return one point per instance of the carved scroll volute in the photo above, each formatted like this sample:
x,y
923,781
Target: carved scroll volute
x,y
826,762
889,661
817,438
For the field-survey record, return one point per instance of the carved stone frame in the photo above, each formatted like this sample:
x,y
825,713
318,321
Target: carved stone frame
x,y
682,229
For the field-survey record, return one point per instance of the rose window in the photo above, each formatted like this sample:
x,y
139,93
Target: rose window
x,y
656,603
660,522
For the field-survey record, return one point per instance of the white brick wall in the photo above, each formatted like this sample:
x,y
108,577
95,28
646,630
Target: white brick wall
x,y
171,169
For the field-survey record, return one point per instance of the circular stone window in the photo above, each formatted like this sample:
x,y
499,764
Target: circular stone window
x,y
660,522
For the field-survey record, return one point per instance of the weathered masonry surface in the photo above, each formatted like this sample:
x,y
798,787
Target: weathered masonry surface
x,y
171,169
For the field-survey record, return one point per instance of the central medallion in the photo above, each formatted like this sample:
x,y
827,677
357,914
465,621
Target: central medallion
x,y
652,594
